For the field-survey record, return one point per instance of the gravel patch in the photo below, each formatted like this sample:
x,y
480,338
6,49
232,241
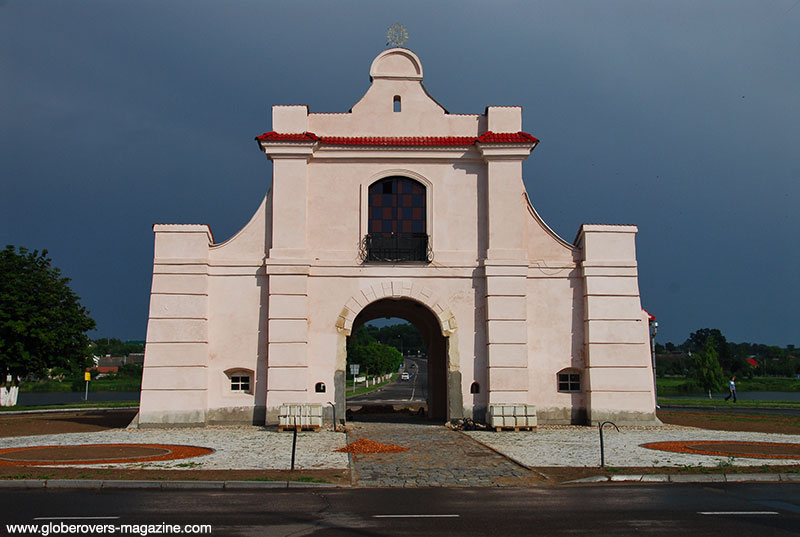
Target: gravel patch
x,y
575,446
245,448
235,448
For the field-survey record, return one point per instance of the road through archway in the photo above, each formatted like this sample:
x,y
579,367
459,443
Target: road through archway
x,y
427,385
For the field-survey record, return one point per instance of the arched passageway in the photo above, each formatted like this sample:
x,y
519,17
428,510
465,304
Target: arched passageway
x,y
441,405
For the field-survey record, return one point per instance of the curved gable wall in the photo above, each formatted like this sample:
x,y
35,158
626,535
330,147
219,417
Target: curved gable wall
x,y
251,242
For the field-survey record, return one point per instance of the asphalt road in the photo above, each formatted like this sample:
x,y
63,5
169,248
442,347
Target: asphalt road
x,y
413,390
697,510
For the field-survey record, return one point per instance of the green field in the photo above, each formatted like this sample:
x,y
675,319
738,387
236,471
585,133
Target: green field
x,y
694,401
84,404
685,385
124,384
363,389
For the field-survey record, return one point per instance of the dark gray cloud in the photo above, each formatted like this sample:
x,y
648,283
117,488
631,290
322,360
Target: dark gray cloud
x,y
680,117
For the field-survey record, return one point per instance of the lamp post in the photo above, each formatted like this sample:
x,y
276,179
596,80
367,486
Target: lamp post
x,y
653,332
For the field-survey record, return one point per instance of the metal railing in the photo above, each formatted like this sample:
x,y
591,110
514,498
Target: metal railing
x,y
396,248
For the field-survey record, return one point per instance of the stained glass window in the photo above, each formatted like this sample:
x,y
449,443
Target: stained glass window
x,y
396,206
396,229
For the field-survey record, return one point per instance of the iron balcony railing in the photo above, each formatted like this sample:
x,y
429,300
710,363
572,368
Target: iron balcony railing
x,y
396,248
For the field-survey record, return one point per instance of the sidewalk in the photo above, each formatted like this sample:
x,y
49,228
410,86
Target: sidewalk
x,y
256,485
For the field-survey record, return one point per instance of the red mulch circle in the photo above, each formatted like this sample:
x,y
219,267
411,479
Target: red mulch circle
x,y
362,445
725,448
97,454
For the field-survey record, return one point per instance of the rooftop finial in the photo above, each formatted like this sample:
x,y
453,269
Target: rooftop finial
x,y
397,35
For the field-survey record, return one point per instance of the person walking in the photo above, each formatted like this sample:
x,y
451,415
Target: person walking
x,y
732,387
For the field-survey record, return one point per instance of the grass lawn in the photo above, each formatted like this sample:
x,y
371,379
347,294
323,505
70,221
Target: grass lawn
x,y
125,384
704,401
82,404
685,385
364,389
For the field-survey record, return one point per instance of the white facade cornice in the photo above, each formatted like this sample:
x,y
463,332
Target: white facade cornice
x,y
326,152
504,151
288,149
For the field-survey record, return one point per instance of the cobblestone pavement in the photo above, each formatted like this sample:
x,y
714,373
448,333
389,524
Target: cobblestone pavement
x,y
437,457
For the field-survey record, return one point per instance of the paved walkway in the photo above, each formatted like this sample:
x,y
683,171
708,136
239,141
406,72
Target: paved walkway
x,y
436,457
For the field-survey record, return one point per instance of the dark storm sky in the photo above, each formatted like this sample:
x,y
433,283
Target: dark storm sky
x,y
682,117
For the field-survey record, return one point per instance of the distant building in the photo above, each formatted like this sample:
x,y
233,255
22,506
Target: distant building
x,y
397,208
111,361
104,370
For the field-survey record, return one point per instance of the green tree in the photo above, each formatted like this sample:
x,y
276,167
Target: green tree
x,y
115,347
374,357
706,369
404,337
42,323
731,362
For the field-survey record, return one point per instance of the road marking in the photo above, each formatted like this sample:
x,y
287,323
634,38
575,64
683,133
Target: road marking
x,y
737,512
415,516
77,518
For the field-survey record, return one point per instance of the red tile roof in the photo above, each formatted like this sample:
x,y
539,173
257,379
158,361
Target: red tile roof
x,y
288,137
400,140
520,137
403,141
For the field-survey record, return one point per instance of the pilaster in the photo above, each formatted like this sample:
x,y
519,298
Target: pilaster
x,y
618,364
505,264
506,332
174,381
287,333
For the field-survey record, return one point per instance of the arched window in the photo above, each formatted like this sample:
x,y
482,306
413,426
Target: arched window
x,y
397,229
396,103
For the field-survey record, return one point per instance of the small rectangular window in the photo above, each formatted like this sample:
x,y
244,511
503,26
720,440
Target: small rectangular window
x,y
240,384
569,382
